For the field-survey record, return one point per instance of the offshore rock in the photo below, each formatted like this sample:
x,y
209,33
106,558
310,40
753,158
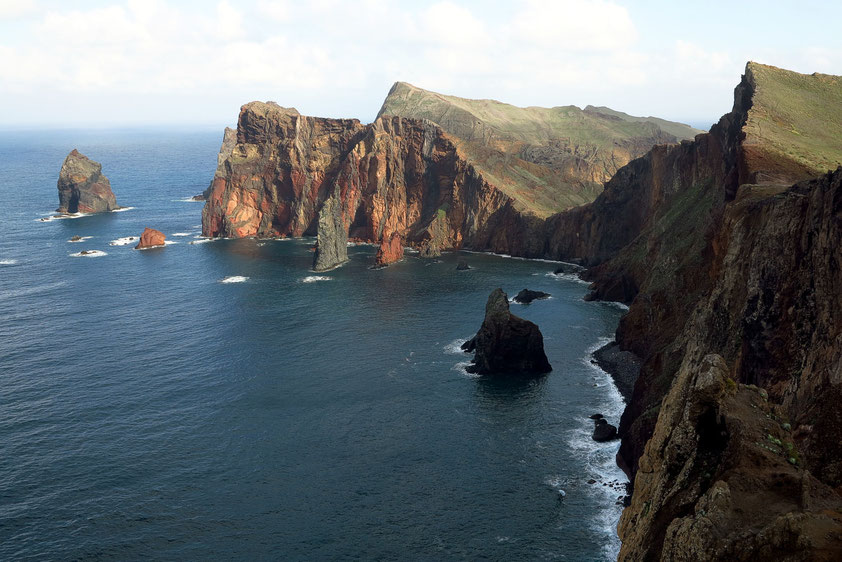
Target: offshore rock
x,y
526,296
462,265
150,238
82,188
332,241
390,251
507,344
603,431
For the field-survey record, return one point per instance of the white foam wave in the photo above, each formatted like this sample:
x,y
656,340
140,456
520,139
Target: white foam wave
x,y
510,257
455,347
80,239
124,241
123,209
462,368
568,277
169,242
314,278
8,262
187,200
235,279
180,234
600,458
203,240
89,254
615,304
65,216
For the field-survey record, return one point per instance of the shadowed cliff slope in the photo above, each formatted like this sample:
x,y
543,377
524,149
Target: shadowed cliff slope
x,y
735,252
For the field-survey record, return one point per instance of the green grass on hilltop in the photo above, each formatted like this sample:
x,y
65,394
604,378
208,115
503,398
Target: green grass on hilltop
x,y
796,117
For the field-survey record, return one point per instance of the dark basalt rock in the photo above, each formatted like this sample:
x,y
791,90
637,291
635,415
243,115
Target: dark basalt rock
x,y
469,346
526,296
568,268
507,344
604,431
463,266
596,416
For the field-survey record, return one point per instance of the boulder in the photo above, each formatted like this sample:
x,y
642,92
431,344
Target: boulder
x,y
150,238
526,296
82,188
507,344
463,266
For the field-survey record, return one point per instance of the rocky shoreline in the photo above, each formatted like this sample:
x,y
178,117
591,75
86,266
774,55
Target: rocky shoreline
x,y
623,366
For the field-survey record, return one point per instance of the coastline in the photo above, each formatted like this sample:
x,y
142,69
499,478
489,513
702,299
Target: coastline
x,y
622,366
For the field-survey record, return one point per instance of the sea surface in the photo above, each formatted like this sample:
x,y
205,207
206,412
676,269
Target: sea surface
x,y
219,400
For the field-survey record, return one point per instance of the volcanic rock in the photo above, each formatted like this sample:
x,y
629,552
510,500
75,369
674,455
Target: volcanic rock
x,y
463,266
603,431
150,238
526,296
82,188
390,251
507,344
332,241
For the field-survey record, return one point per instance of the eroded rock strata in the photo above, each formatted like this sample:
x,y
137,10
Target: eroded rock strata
x,y
82,187
505,343
406,176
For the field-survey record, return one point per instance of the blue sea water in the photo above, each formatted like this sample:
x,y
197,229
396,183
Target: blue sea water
x,y
221,401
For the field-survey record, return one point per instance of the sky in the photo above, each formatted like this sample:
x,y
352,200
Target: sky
x,y
167,62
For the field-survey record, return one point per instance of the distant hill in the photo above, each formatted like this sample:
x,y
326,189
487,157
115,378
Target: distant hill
x,y
576,150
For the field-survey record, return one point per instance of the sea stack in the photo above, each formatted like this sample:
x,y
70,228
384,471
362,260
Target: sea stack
x,y
390,251
505,343
150,238
82,188
332,237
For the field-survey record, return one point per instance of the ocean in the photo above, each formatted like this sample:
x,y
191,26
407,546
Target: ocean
x,y
219,400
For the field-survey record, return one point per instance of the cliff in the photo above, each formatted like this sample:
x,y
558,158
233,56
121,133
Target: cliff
x,y
723,246
82,188
410,178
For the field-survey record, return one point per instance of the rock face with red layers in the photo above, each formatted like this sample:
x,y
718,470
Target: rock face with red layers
x,y
150,238
82,188
405,175
390,251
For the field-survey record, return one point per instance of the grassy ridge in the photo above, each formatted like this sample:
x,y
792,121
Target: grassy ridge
x,y
795,120
546,159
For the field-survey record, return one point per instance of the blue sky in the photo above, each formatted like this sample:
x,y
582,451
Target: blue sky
x,y
109,63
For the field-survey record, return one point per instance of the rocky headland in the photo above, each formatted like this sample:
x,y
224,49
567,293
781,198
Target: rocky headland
x,y
406,176
506,344
82,187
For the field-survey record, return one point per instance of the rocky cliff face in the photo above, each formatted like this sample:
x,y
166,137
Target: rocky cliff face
x,y
409,177
82,188
728,257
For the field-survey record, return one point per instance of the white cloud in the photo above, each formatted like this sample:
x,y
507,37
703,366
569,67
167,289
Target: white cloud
x,y
575,25
13,9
